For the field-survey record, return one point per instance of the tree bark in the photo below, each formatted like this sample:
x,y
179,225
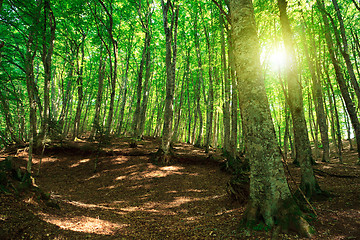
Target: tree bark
x,y
170,35
308,183
270,196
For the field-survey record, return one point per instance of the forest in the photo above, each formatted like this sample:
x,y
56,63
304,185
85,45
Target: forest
x,y
179,119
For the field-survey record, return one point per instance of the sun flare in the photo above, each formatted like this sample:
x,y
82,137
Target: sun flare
x,y
277,59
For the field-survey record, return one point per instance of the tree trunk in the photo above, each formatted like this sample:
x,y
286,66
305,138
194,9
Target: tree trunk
x,y
318,101
30,86
47,51
5,109
308,183
145,96
234,105
200,77
334,112
178,108
189,113
124,86
170,34
340,79
344,49
210,99
135,124
101,75
226,105
286,133
270,197
79,83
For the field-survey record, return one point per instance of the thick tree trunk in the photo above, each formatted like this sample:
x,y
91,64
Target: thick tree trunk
x,y
270,197
308,183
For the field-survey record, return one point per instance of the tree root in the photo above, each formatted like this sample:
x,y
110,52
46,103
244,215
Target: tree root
x,y
287,218
160,157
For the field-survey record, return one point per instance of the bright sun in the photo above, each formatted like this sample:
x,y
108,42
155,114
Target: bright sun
x,y
277,59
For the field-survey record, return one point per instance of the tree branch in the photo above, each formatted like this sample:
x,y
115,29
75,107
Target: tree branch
x,y
222,11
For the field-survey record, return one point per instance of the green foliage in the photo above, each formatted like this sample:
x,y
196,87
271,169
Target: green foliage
x,y
77,19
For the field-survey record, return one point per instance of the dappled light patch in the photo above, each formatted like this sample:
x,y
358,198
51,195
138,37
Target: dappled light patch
x,y
131,198
120,159
179,201
85,160
96,175
196,190
120,178
171,168
159,173
87,205
83,224
327,167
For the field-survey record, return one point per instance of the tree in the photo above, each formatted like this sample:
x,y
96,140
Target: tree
x,y
308,183
171,50
270,197
350,107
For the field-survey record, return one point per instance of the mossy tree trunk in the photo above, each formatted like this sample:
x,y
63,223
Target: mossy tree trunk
x,y
171,50
308,183
270,197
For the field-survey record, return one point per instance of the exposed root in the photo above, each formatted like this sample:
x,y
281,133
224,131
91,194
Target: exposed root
x,y
161,158
287,218
238,188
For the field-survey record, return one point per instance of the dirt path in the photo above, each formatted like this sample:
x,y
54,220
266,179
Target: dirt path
x,y
128,197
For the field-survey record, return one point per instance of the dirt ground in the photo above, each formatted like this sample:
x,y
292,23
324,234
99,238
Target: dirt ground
x,y
129,197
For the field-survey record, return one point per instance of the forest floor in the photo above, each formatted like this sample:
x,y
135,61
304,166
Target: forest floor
x,y
129,197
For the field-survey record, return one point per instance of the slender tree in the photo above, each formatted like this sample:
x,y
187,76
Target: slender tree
x,y
171,50
308,183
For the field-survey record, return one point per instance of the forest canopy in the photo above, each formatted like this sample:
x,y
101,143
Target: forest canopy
x,y
80,66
